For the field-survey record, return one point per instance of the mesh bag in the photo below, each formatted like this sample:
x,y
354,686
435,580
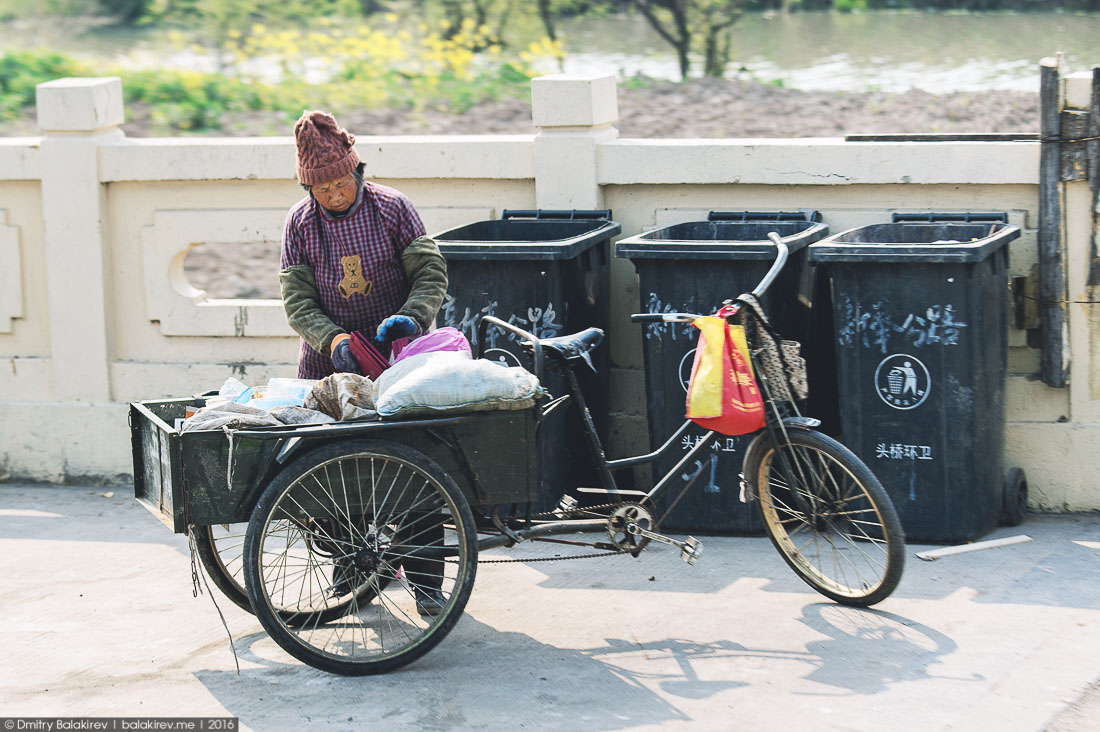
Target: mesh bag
x,y
780,361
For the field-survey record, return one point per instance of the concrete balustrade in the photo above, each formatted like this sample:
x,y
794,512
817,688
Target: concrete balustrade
x,y
96,310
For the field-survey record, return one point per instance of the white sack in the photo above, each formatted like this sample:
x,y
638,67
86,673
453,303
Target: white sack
x,y
449,381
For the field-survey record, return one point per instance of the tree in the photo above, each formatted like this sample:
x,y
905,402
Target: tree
x,y
547,19
370,7
717,18
458,12
128,12
686,24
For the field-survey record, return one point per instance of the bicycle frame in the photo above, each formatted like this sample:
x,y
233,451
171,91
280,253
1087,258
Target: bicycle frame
x,y
775,427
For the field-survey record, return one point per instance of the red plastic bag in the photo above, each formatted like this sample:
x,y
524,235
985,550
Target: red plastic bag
x,y
722,394
370,360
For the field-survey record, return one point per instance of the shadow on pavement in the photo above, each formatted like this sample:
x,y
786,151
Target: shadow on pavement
x,y
500,679
866,652
1056,568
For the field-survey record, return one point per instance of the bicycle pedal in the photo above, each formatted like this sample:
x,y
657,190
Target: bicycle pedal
x,y
691,550
566,506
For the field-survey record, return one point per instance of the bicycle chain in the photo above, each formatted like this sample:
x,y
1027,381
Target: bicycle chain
x,y
587,509
552,559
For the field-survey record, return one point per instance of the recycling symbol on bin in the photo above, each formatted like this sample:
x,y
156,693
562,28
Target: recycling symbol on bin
x,y
902,381
502,357
685,368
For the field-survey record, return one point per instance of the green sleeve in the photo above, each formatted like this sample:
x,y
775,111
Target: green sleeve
x,y
303,308
427,273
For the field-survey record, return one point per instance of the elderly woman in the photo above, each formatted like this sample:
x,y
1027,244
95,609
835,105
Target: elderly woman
x,y
354,255
355,258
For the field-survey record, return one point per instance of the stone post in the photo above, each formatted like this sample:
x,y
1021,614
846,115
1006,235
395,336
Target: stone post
x,y
574,113
76,116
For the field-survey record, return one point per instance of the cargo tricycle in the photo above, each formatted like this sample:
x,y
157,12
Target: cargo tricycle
x,y
338,536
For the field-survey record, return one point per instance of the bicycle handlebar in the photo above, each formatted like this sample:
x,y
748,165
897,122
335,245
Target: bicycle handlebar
x,y
662,318
780,261
782,252
525,338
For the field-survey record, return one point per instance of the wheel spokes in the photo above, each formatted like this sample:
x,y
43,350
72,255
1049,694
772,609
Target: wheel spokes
x,y
379,523
824,520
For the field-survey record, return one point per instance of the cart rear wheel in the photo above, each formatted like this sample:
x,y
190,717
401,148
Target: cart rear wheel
x,y
828,516
370,514
221,551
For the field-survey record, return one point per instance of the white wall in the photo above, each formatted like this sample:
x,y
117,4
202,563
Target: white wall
x,y
95,310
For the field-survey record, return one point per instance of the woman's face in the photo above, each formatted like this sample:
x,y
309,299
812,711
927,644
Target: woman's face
x,y
336,195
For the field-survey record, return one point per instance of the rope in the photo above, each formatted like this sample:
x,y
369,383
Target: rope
x,y
229,463
1055,138
197,572
1061,302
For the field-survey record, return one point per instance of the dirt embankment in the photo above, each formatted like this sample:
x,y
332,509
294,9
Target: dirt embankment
x,y
718,108
696,108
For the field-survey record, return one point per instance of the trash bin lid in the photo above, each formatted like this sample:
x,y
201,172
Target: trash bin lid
x,y
734,235
922,237
519,235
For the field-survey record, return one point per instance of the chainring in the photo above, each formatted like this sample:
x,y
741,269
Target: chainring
x,y
630,513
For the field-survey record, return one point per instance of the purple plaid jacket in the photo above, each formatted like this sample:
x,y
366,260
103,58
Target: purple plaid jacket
x,y
357,262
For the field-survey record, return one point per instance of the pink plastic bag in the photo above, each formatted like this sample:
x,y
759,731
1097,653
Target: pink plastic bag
x,y
443,339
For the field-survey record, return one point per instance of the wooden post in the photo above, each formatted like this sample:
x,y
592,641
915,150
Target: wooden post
x,y
1052,275
1093,147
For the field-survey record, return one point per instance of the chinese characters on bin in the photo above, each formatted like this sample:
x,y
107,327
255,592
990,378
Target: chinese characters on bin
x,y
543,322
728,444
896,451
873,328
673,330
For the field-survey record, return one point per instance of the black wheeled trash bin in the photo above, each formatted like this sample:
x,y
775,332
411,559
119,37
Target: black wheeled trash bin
x,y
693,267
547,272
920,309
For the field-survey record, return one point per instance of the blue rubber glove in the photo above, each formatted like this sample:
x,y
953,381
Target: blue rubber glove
x,y
343,360
394,327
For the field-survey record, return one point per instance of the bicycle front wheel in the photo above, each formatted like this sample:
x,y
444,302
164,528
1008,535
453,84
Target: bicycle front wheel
x,y
828,516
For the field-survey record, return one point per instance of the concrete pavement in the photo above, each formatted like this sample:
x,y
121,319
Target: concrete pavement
x,y
99,620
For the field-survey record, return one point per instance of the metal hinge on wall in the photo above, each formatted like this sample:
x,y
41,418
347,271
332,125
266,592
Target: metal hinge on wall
x,y
1025,305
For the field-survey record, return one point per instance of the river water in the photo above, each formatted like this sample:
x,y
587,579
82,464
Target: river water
x,y
936,52
887,51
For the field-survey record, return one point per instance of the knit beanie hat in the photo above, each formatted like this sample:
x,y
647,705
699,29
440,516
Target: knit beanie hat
x,y
326,151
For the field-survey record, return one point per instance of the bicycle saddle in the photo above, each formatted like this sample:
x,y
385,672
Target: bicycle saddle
x,y
575,345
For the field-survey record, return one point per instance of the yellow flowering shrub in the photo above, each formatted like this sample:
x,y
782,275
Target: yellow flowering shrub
x,y
330,65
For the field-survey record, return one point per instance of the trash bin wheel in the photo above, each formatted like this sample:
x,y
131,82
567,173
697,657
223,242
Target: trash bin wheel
x,y
828,515
221,551
360,514
1014,501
